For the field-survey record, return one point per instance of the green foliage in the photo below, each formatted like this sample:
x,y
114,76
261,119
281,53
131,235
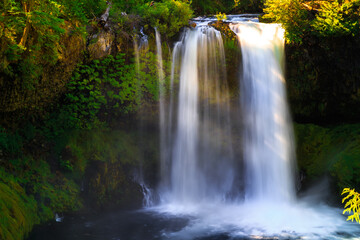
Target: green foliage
x,y
334,151
33,196
10,143
246,6
337,19
82,10
128,6
221,16
207,7
345,163
301,17
167,16
203,7
18,211
352,205
104,90
148,77
30,34
103,87
109,156
292,15
312,142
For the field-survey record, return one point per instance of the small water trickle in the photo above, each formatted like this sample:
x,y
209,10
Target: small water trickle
x,y
162,114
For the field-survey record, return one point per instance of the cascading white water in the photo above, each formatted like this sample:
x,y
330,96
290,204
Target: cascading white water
x,y
184,172
268,139
200,157
199,166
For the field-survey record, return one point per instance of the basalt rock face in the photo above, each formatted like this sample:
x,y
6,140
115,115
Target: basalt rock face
x,y
101,45
323,80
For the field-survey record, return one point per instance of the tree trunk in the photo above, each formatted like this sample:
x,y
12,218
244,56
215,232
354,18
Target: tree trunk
x,y
27,7
105,16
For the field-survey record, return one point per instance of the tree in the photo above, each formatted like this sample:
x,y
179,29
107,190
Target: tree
x,y
292,15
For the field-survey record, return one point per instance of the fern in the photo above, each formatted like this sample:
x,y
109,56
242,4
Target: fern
x,y
221,16
352,205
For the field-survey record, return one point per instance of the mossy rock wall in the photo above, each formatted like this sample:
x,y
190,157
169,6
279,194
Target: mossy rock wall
x,y
31,196
332,152
18,211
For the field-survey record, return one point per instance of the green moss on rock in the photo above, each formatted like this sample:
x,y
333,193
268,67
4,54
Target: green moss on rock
x,y
18,212
30,195
332,151
323,79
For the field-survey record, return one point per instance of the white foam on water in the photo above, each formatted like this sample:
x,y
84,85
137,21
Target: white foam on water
x,y
200,159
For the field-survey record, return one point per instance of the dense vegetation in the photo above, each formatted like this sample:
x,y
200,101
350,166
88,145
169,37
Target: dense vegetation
x,y
302,18
69,86
57,83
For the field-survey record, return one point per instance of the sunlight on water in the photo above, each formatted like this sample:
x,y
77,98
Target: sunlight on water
x,y
200,166
206,185
268,150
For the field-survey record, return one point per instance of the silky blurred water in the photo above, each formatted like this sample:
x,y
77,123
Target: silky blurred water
x,y
207,190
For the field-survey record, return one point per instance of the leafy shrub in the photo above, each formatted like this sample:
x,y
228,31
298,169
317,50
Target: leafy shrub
x,y
337,19
108,88
292,15
247,6
330,151
167,16
10,143
18,211
322,18
101,88
32,197
128,6
352,205
221,16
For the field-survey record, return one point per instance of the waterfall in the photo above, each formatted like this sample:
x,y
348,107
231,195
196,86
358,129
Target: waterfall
x,y
196,133
139,52
162,114
233,177
199,162
267,143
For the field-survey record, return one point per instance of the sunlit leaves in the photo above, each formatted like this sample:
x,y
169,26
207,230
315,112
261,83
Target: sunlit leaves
x,y
221,16
168,16
104,87
352,205
329,18
291,14
337,19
